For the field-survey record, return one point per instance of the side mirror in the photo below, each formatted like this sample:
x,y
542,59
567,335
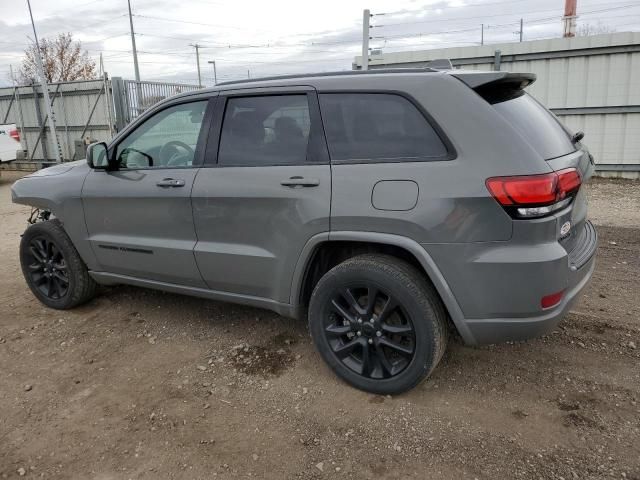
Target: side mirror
x,y
98,156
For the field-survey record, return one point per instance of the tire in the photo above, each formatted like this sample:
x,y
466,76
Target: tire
x,y
391,349
52,267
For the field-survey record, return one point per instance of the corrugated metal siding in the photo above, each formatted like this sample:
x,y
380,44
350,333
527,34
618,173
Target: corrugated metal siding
x,y
573,76
72,105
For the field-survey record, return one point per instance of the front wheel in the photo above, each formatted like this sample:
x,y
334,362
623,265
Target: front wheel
x,y
378,323
52,267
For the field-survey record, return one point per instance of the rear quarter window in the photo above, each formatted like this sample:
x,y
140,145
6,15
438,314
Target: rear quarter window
x,y
538,126
377,126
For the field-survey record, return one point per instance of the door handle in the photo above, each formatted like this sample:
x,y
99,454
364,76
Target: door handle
x,y
300,182
170,182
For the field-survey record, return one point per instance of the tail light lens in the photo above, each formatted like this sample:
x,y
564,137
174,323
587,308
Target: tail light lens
x,y
534,196
551,300
14,134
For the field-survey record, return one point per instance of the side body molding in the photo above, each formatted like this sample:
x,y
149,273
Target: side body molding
x,y
408,244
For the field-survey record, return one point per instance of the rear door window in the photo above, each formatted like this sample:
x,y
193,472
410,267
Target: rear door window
x,y
377,126
540,128
265,130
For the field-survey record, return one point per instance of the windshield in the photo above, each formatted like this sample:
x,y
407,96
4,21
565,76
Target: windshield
x,y
538,126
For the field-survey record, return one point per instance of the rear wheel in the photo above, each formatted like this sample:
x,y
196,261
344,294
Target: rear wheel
x,y
52,267
378,323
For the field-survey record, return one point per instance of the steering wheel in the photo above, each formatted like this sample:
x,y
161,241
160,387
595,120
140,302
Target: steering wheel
x,y
175,153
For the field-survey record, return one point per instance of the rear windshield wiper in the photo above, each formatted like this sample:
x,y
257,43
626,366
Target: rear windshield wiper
x,y
576,137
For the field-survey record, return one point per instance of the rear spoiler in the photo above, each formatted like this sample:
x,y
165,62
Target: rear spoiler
x,y
476,79
496,87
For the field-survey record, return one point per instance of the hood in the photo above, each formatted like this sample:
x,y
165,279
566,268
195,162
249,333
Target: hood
x,y
57,169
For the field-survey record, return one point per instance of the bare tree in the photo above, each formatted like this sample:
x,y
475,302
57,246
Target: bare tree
x,y
586,29
63,60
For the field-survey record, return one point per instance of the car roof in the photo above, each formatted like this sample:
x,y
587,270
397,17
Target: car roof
x,y
312,79
472,78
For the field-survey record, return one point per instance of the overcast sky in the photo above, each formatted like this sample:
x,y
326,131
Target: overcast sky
x,y
281,36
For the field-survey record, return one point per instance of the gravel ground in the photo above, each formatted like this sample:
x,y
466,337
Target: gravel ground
x,y
141,384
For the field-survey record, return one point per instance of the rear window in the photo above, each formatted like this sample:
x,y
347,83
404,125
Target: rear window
x,y
377,126
538,126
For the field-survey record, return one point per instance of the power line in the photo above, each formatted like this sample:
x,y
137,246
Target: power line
x,y
264,45
164,19
499,15
447,32
101,22
106,38
449,7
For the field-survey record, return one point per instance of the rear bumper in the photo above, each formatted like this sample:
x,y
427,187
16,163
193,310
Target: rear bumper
x,y
498,286
496,330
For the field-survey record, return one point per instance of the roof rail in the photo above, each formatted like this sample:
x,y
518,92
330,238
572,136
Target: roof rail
x,y
332,74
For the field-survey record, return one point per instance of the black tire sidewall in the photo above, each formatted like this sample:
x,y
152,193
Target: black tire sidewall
x,y
390,279
55,234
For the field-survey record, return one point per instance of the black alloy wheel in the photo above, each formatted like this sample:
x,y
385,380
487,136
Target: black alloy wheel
x,y
52,267
378,323
47,268
369,331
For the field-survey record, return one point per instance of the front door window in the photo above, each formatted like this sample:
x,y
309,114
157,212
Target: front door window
x,y
166,140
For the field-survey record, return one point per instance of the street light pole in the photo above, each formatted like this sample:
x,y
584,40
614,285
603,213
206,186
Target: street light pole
x,y
45,91
215,75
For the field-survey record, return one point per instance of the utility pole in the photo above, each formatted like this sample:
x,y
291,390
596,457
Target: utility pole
x,y
521,29
366,15
482,34
45,91
135,63
133,45
215,75
197,47
248,74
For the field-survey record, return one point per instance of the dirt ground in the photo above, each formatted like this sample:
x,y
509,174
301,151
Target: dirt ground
x,y
141,384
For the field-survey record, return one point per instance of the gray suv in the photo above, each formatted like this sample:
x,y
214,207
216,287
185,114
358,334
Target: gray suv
x,y
390,208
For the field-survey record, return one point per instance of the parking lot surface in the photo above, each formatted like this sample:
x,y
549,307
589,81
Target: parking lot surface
x,y
144,384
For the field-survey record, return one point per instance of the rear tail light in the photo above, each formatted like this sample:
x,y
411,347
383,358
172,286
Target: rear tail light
x,y
534,196
14,134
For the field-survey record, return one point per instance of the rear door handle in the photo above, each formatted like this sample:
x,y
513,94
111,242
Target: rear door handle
x,y
170,182
300,182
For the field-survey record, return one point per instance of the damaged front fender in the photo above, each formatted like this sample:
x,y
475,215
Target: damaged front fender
x,y
58,190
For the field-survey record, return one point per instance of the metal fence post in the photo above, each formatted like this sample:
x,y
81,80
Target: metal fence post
x,y
66,125
42,135
107,101
41,124
23,134
6,115
117,89
86,125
